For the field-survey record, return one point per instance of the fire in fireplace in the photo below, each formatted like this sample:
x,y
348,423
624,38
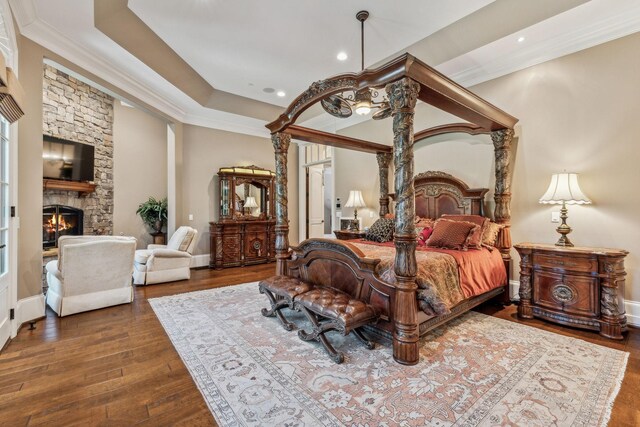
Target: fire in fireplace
x,y
59,220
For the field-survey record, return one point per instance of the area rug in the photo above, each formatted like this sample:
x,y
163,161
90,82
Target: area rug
x,y
476,370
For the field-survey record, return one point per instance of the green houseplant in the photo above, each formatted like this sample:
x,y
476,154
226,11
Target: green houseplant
x,y
153,213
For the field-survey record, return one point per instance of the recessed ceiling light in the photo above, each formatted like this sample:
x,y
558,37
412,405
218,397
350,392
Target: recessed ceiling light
x,y
342,56
281,93
520,39
268,90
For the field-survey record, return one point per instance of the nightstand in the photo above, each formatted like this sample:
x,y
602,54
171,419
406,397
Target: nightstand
x,y
575,286
349,235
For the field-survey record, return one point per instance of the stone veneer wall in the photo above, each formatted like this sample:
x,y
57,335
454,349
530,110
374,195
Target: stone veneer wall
x,y
75,111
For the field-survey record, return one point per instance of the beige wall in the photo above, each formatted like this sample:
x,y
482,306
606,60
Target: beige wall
x,y
205,151
139,168
29,204
355,170
577,113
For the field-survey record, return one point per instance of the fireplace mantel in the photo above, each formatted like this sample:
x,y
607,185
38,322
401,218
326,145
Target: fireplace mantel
x,y
83,188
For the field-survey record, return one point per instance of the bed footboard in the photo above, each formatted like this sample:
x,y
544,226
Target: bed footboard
x,y
340,265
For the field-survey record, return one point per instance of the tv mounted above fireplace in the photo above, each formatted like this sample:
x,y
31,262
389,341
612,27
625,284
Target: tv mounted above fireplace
x,y
67,160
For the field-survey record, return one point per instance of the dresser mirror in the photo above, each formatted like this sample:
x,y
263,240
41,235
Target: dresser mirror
x,y
246,193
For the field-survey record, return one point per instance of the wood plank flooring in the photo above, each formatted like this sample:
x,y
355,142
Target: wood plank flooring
x,y
116,366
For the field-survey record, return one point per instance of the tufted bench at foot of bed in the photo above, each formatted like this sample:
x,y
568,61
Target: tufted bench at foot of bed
x,y
327,309
281,290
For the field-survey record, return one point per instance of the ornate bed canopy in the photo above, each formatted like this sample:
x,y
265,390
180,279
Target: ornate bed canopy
x,y
405,80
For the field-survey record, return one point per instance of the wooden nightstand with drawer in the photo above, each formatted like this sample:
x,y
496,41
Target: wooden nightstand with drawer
x,y
575,286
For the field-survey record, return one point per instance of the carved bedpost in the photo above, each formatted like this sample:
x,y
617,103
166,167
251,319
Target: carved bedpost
x,y
526,267
502,196
383,169
403,95
281,143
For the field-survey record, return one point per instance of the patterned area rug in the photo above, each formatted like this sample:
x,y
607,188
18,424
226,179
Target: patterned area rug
x,y
476,370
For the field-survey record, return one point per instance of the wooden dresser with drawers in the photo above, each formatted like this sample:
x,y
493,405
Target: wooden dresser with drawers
x,y
575,286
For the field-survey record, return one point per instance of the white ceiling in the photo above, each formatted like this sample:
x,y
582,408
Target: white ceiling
x,y
287,44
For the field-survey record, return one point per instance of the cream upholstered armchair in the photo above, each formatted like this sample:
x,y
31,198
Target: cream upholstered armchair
x,y
91,272
166,263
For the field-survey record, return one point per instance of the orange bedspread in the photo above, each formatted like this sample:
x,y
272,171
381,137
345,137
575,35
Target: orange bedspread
x,y
445,277
480,270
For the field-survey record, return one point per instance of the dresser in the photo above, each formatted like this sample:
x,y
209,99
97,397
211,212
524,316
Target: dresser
x,y
245,231
576,286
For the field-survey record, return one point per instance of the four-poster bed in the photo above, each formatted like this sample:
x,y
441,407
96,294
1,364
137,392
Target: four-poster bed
x,y
342,265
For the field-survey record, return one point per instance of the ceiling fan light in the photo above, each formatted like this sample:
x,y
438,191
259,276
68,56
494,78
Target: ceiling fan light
x,y
362,108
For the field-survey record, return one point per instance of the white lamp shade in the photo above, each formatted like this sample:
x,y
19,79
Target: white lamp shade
x,y
250,202
355,200
564,188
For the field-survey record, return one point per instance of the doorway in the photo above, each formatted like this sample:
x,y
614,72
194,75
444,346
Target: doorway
x,y
319,197
5,277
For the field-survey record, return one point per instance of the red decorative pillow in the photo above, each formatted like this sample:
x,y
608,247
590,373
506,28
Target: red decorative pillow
x,y
450,234
389,216
423,235
476,239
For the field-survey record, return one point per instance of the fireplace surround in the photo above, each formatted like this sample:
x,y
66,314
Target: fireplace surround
x,y
60,220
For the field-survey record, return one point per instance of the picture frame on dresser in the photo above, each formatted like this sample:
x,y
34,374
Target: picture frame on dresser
x,y
345,222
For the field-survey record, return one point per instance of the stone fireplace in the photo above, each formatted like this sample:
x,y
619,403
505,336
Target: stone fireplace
x,y
60,220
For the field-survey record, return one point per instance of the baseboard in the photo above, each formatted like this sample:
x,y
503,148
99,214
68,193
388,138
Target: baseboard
x,y
633,312
28,309
632,308
514,287
200,261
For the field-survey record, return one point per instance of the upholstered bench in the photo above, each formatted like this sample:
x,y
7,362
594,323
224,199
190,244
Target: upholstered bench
x,y
329,309
281,290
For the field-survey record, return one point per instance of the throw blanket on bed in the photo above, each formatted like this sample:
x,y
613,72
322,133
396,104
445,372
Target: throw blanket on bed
x,y
437,277
445,277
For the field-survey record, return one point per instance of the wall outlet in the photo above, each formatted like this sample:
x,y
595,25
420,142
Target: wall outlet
x,y
371,214
190,217
555,216
338,214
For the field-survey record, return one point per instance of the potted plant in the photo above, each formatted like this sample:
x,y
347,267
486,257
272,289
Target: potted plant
x,y
153,213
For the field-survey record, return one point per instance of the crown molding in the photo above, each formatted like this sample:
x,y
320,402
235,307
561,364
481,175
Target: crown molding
x,y
47,37
230,123
24,11
612,28
43,34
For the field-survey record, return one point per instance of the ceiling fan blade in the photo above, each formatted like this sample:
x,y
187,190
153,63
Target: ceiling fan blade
x,y
383,113
337,106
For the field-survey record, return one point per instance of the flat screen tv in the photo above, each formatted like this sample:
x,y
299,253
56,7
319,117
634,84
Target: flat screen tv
x,y
67,160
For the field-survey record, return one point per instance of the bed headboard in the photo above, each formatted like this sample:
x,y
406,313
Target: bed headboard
x,y
438,193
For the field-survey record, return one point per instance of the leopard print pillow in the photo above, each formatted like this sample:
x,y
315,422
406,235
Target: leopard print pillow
x,y
381,231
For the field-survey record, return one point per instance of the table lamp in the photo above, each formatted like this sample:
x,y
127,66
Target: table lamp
x,y
250,203
355,201
564,189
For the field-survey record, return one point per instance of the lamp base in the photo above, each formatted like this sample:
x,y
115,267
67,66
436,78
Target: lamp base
x,y
355,224
564,241
563,228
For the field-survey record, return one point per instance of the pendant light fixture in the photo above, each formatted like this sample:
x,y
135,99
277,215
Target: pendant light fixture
x,y
361,101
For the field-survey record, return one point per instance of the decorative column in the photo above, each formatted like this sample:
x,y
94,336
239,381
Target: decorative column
x,y
526,269
383,170
403,95
281,143
502,195
612,272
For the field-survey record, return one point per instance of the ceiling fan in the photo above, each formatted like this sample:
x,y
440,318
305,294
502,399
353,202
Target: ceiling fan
x,y
361,101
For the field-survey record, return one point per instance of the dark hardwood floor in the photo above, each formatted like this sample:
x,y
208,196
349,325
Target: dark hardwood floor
x,y
116,366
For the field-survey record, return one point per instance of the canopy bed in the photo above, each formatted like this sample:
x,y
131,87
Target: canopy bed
x,y
346,266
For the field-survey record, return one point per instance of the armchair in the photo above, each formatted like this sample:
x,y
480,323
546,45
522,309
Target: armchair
x,y
91,272
166,263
